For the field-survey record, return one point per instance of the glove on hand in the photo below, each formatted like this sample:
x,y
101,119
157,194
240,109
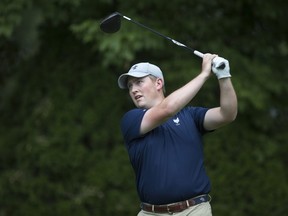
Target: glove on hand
x,y
218,68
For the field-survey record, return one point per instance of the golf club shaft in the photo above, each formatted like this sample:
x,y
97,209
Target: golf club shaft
x,y
197,53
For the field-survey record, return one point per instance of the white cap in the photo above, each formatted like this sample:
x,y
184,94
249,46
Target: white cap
x,y
140,70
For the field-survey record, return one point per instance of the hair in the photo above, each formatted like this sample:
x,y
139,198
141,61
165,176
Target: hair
x,y
154,79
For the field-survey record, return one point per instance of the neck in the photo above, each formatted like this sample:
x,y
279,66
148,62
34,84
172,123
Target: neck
x,y
154,102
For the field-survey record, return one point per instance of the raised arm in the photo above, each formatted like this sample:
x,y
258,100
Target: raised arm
x,y
227,111
174,102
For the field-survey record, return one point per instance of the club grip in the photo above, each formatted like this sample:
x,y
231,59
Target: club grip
x,y
196,52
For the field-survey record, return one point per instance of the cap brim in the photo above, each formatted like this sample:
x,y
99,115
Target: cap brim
x,y
122,80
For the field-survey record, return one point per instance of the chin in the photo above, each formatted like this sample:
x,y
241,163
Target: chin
x,y
141,106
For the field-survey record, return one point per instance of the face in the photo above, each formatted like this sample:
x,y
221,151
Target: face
x,y
145,92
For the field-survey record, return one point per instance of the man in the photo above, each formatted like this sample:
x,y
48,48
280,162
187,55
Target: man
x,y
164,137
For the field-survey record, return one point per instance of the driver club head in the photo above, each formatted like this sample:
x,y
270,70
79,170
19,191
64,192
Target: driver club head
x,y
111,23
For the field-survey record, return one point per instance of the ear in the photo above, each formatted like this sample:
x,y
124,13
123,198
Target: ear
x,y
159,83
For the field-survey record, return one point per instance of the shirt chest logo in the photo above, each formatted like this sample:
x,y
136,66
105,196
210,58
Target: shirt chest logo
x,y
176,121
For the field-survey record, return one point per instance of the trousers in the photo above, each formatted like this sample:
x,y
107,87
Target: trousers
x,y
202,209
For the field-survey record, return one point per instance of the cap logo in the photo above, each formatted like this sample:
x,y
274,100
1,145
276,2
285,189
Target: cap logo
x,y
134,67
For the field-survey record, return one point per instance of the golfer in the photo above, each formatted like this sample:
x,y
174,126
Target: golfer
x,y
163,136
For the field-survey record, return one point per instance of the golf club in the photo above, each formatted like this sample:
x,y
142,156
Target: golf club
x,y
112,24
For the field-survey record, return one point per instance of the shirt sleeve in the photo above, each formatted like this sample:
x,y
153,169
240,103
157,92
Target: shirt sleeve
x,y
130,124
198,115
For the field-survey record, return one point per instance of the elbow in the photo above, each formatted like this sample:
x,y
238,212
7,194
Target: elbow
x,y
228,115
232,116
235,112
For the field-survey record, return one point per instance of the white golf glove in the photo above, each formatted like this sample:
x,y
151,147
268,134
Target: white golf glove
x,y
218,68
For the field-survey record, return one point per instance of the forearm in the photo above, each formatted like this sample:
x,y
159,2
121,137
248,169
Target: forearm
x,y
228,99
181,97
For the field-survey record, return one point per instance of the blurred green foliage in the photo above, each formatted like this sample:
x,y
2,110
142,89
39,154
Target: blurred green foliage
x,y
61,151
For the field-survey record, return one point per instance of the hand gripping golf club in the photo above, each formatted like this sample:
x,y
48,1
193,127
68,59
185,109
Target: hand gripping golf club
x,y
112,24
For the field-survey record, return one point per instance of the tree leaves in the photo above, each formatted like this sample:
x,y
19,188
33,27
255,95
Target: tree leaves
x,y
61,146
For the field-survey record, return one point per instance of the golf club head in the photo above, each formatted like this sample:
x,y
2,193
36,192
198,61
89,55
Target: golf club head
x,y
111,23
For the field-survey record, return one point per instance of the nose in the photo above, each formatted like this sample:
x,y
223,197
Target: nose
x,y
133,89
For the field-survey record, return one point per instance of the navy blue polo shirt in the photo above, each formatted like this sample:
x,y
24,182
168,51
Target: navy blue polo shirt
x,y
168,161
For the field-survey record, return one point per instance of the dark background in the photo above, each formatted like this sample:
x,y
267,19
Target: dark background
x,y
61,151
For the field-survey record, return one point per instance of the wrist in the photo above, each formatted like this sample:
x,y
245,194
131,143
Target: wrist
x,y
225,81
223,76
